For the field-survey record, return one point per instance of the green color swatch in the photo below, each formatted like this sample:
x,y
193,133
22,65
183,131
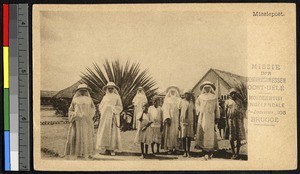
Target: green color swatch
x,y
6,109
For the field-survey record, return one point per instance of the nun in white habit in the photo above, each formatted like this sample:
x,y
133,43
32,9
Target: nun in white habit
x,y
80,138
208,110
108,135
171,119
138,101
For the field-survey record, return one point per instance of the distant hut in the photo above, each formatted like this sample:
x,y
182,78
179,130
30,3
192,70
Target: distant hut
x,y
62,100
46,97
225,81
68,92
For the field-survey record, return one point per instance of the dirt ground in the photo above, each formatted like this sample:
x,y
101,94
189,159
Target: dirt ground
x,y
54,139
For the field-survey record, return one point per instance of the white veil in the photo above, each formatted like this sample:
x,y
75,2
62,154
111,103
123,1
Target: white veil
x,y
78,94
114,92
211,94
140,97
211,90
170,101
169,95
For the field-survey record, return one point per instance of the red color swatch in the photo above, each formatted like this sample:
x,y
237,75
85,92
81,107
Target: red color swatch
x,y
5,24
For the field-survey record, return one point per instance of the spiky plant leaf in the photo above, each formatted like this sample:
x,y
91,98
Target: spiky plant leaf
x,y
241,89
128,77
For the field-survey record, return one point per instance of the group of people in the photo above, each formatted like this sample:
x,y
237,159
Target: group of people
x,y
80,137
170,127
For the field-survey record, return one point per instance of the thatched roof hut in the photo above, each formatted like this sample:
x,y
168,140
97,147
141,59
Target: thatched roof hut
x,y
68,92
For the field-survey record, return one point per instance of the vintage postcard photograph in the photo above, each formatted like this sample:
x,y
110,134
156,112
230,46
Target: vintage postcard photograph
x,y
164,87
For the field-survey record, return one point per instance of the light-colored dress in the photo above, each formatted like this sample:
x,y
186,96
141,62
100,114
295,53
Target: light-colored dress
x,y
80,138
171,132
138,101
156,118
108,135
207,107
143,136
187,118
236,115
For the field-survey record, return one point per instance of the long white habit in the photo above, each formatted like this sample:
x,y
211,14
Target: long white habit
x,y
207,107
108,135
171,111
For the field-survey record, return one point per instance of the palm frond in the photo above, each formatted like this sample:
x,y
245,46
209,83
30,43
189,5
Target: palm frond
x,y
241,89
128,77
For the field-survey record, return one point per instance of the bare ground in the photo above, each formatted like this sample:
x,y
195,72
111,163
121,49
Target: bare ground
x,y
54,138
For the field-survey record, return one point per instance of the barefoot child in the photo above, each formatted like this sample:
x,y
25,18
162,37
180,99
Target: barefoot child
x,y
155,113
143,134
236,114
187,114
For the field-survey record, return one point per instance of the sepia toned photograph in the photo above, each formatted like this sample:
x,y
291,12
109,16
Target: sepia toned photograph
x,y
147,84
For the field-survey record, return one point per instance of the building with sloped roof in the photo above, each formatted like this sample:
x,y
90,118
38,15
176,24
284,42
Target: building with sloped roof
x,y
68,92
223,81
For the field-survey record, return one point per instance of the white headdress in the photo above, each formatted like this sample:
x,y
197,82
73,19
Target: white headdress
x,y
208,95
172,88
140,97
82,87
111,84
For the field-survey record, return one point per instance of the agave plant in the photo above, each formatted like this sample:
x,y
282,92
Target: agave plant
x,y
241,89
127,77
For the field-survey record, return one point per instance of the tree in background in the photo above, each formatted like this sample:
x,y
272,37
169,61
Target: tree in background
x,y
128,77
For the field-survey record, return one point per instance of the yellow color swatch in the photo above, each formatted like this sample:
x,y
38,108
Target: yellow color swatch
x,y
5,67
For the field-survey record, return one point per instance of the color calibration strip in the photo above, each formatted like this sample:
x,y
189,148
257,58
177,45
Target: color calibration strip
x,y
13,87
16,87
7,165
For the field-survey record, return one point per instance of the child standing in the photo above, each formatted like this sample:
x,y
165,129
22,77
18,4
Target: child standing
x,y
155,113
235,111
143,135
187,114
222,123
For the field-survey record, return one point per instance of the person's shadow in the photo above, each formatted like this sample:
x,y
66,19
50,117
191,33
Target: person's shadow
x,y
223,154
227,155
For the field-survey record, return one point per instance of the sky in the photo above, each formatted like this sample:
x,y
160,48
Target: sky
x,y
177,48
